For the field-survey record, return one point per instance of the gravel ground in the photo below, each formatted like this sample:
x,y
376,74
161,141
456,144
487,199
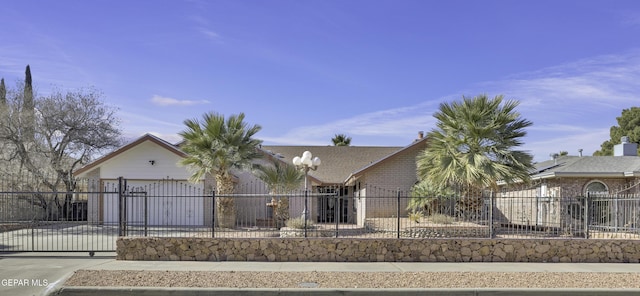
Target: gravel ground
x,y
235,279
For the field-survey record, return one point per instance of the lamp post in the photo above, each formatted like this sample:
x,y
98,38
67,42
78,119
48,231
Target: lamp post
x,y
306,162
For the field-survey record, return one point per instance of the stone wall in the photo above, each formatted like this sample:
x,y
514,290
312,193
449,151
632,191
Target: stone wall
x,y
378,250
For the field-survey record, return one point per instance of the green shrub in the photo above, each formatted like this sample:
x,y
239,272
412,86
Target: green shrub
x,y
416,216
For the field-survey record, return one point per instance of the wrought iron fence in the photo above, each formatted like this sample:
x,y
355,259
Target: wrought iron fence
x,y
40,218
93,216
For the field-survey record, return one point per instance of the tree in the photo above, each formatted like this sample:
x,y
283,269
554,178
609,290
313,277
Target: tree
x,y
628,125
472,147
216,146
70,128
3,93
341,140
28,107
280,178
427,197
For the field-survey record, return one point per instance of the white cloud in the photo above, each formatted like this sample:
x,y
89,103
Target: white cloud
x,y
209,34
572,107
166,101
375,128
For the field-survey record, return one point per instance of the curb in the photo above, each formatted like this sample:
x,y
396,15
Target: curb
x,y
108,291
55,287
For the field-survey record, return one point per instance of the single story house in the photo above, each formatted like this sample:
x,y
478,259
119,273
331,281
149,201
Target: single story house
x,y
158,189
563,185
150,166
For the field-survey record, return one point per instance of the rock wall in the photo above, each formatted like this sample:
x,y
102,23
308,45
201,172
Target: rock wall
x,y
378,250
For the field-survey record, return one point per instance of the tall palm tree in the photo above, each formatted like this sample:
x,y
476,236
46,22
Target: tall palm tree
x,y
473,145
341,140
216,146
280,178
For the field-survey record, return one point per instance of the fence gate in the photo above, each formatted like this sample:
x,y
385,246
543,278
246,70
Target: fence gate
x,y
35,221
91,218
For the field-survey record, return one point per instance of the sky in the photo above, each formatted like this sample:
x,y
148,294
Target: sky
x,y
306,70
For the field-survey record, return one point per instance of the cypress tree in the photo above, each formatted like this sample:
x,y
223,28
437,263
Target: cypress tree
x,y
28,107
3,94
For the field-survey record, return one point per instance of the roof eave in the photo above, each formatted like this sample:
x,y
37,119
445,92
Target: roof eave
x,y
584,174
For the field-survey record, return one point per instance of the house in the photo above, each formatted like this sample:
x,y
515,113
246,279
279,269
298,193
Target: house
x,y
342,189
150,166
365,180
561,186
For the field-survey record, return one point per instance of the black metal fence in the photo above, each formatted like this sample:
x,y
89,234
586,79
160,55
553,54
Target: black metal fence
x,y
96,213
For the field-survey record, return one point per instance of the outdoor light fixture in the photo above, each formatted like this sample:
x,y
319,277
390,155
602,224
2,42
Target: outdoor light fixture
x,y
306,162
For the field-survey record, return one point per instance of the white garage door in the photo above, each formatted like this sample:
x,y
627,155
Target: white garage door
x,y
163,202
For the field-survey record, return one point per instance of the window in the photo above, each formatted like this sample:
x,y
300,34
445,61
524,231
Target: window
x,y
596,188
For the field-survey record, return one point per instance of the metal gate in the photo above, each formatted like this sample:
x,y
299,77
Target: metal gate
x,y
93,217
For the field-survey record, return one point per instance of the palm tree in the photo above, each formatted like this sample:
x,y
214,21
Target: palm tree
x,y
473,145
215,146
341,140
280,178
426,197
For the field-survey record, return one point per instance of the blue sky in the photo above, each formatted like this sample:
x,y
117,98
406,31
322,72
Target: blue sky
x,y
306,70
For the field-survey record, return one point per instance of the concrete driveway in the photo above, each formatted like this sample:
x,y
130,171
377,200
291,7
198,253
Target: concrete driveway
x,y
36,273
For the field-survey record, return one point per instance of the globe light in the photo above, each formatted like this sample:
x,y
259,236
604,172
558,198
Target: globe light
x,y
297,161
316,161
307,154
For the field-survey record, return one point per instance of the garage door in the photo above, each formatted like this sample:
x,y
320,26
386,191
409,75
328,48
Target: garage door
x,y
160,203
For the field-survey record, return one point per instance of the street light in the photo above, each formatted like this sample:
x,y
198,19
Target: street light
x,y
306,162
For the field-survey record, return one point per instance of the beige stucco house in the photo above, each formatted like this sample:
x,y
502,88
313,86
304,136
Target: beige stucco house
x,y
366,180
150,165
345,188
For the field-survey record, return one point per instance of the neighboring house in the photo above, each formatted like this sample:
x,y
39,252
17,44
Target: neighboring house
x,y
556,196
352,173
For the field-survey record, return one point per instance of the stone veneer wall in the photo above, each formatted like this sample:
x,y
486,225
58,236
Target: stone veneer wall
x,y
378,250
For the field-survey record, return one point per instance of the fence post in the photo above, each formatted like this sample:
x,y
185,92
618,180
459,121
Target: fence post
x,y
586,219
398,212
491,204
306,210
337,210
33,225
213,213
122,208
146,215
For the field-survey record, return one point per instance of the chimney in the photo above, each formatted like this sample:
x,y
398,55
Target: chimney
x,y
420,135
580,151
625,148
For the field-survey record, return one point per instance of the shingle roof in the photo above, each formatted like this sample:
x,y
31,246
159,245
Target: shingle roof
x,y
338,162
588,166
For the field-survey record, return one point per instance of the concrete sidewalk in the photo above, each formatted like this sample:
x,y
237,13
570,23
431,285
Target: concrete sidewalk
x,y
46,273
